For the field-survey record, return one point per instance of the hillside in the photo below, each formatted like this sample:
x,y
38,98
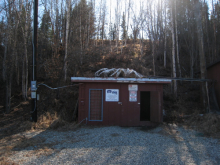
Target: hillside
x,y
57,107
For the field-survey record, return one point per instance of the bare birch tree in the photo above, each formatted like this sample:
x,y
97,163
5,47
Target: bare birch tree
x,y
110,25
5,69
103,19
66,39
177,42
201,49
117,23
165,34
173,51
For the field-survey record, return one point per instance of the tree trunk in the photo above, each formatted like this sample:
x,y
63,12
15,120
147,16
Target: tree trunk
x,y
201,50
56,38
7,96
52,25
4,69
23,79
177,43
67,37
208,40
9,86
110,25
173,54
153,55
25,59
117,24
26,51
129,5
80,36
214,42
88,32
26,71
165,40
192,58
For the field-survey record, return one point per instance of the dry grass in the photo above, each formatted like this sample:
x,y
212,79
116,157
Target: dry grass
x,y
209,124
12,141
7,145
45,121
5,161
54,122
28,142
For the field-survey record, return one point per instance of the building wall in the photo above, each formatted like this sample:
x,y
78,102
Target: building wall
x,y
213,73
122,112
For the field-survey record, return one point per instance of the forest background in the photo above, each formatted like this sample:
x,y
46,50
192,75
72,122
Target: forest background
x,y
168,38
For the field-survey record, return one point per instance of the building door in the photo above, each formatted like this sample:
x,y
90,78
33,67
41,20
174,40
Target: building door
x,y
95,105
129,107
112,113
145,106
150,106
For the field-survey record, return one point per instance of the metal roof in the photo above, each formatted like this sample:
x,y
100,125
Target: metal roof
x,y
120,80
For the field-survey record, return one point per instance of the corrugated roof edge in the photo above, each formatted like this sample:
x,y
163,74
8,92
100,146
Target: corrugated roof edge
x,y
120,80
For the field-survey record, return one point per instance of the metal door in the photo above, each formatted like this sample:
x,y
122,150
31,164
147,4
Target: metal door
x,y
112,113
129,109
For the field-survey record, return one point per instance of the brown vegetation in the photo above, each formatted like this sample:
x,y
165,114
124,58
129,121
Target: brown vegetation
x,y
209,124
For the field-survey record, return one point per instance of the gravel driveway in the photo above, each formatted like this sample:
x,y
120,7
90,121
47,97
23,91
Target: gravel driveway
x,y
166,144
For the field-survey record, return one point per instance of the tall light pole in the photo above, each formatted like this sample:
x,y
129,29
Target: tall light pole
x,y
34,82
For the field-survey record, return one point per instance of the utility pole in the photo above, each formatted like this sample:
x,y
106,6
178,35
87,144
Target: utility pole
x,y
34,82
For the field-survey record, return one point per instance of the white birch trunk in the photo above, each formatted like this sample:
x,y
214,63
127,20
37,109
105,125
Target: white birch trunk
x,y
110,25
201,51
129,5
80,36
173,55
177,43
67,37
153,55
165,38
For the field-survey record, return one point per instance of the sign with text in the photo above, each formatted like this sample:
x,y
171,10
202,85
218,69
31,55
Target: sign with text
x,y
132,96
112,95
132,87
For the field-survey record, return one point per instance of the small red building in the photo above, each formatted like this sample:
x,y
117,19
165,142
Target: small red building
x,y
213,72
120,101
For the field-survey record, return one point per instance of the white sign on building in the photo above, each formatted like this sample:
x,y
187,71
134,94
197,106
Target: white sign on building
x,y
112,95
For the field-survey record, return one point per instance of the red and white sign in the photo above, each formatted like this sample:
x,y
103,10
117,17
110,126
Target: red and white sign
x,y
132,87
132,96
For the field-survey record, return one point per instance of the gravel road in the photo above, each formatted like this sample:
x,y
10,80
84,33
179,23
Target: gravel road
x,y
166,144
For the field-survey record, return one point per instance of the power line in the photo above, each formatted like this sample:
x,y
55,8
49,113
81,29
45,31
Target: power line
x,y
57,87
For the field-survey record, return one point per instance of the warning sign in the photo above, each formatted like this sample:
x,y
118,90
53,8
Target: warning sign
x,y
112,95
132,87
132,96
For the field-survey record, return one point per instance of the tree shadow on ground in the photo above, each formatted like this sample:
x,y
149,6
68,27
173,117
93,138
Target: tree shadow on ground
x,y
168,144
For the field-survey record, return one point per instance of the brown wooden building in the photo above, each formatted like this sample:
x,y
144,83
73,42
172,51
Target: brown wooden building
x,y
213,72
120,101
